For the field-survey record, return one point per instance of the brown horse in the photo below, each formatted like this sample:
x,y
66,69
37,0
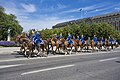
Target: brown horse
x,y
79,44
25,44
54,43
100,45
107,45
66,45
87,45
93,46
42,48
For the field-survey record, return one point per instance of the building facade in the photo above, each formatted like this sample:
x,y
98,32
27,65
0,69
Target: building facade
x,y
111,18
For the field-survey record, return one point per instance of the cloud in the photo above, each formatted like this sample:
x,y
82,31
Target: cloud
x,y
43,22
105,8
87,8
29,7
53,8
61,6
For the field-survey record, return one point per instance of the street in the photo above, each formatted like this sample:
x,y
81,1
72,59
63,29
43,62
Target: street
x,y
82,66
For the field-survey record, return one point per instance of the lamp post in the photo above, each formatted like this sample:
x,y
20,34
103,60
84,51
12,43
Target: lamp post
x,y
80,13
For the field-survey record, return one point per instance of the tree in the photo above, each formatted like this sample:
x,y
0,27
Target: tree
x,y
8,21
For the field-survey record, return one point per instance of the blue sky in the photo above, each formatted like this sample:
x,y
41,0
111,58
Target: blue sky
x,y
41,14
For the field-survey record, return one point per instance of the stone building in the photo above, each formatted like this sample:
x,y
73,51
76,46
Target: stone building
x,y
111,18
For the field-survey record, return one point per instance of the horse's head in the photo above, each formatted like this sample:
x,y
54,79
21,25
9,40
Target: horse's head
x,y
24,35
62,40
17,40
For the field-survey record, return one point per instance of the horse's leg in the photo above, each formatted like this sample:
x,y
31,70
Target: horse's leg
x,y
65,48
71,45
66,51
76,48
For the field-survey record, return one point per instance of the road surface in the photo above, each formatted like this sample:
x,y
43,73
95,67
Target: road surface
x,y
83,66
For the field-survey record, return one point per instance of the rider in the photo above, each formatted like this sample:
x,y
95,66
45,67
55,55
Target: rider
x,y
28,35
55,36
37,39
61,35
74,38
114,41
69,39
103,41
33,33
78,37
110,40
89,40
82,39
95,40
60,38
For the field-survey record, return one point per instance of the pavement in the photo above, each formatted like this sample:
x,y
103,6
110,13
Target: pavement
x,y
4,50
104,65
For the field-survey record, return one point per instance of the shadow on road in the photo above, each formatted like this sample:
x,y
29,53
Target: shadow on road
x,y
117,61
17,54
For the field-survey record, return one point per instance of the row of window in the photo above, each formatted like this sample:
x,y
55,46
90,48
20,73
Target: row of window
x,y
107,20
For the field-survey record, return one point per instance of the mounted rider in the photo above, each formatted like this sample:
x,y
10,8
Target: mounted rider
x,y
88,40
33,33
95,40
82,40
55,36
60,38
74,38
28,35
103,41
110,40
78,37
69,39
61,35
37,40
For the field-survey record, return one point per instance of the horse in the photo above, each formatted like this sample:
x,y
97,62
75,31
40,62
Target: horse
x,y
21,40
79,43
100,45
94,46
66,45
87,45
107,45
25,44
54,42
42,48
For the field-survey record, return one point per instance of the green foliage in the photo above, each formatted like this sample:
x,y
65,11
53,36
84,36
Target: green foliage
x,y
8,21
100,30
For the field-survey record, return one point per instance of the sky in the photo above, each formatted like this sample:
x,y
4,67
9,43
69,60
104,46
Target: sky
x,y
42,14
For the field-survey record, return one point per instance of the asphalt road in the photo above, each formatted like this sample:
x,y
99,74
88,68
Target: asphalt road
x,y
83,66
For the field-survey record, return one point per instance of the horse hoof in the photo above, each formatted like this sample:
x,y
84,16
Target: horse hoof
x,y
65,53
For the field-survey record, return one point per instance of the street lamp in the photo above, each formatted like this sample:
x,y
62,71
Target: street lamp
x,y
80,13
